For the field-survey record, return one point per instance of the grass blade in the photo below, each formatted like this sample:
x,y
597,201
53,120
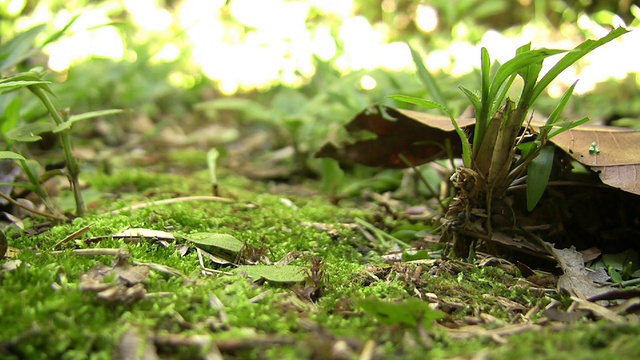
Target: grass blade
x,y
519,62
473,97
538,173
573,56
427,78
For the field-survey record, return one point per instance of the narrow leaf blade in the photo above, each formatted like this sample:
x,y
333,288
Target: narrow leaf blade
x,y
538,176
426,77
573,56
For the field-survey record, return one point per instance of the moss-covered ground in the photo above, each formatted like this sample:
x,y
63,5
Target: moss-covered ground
x,y
45,314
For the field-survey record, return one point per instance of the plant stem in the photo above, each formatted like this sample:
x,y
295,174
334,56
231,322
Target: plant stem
x,y
65,139
37,186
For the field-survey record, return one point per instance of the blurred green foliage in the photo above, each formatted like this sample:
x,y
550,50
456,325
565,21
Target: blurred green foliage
x,y
311,95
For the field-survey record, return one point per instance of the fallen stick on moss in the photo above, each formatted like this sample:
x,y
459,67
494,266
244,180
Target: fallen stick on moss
x,y
169,201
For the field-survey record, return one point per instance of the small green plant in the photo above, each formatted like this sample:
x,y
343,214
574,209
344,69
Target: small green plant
x,y
13,131
495,155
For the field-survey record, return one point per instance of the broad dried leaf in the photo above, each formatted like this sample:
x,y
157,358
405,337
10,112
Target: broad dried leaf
x,y
612,152
420,137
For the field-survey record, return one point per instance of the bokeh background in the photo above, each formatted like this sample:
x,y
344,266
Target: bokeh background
x,y
303,68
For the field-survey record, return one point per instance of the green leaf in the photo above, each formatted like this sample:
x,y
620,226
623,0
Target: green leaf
x,y
25,79
10,86
332,176
573,56
427,78
19,48
473,98
212,161
513,66
213,242
529,75
409,312
10,116
538,175
555,115
11,155
251,109
29,132
485,68
527,149
418,101
500,96
615,275
562,127
284,273
85,116
58,34
621,260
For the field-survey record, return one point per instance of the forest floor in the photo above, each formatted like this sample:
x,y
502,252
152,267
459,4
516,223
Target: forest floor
x,y
329,283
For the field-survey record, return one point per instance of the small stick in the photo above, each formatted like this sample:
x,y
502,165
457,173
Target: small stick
x,y
169,201
51,216
72,236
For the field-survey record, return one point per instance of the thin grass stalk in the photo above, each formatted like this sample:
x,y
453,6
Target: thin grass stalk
x,y
72,165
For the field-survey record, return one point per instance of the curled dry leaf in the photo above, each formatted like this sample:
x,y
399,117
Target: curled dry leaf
x,y
121,282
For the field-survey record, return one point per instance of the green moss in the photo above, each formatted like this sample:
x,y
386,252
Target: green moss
x,y
43,300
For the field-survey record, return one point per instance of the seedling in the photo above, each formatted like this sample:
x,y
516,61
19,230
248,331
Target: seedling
x,y
11,53
495,156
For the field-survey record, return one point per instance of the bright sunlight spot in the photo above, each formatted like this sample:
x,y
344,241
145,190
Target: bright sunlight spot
x,y
368,83
242,45
426,18
84,41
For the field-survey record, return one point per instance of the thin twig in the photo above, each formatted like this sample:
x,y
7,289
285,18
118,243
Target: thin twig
x,y
169,201
72,236
424,181
84,252
51,216
559,183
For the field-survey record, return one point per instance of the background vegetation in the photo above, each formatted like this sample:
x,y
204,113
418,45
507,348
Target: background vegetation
x,y
266,83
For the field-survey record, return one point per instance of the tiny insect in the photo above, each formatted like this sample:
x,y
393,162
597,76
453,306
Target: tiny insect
x,y
593,150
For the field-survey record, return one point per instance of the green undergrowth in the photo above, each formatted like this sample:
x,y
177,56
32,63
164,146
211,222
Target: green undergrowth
x,y
44,314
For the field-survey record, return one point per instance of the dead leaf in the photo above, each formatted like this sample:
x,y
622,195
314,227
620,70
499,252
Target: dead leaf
x,y
598,311
564,316
132,342
121,282
144,233
614,153
417,136
577,280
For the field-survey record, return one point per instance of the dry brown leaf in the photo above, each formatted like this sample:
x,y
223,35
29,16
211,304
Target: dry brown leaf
x,y
131,344
614,153
417,136
128,286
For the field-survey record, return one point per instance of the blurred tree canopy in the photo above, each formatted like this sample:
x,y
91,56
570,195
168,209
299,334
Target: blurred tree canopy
x,y
134,53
